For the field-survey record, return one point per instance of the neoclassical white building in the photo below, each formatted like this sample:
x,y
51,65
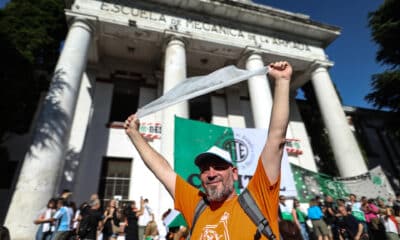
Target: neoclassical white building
x,y
120,55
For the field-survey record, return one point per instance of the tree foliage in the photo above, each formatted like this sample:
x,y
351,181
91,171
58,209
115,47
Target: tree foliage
x,y
385,28
30,36
35,28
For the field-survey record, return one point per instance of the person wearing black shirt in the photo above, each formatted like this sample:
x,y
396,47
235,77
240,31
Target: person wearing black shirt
x,y
330,211
91,220
349,227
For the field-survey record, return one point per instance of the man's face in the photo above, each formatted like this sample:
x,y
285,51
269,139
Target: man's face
x,y
97,206
59,204
217,178
352,198
342,210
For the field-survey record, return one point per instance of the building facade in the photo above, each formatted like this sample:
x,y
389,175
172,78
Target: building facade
x,y
120,55
375,133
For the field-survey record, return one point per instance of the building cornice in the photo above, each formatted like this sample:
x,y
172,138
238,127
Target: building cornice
x,y
261,16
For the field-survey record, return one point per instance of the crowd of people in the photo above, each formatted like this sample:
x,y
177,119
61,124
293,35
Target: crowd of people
x,y
334,219
327,219
62,220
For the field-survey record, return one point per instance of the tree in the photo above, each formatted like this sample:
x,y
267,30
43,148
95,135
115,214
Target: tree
x,y
385,26
30,36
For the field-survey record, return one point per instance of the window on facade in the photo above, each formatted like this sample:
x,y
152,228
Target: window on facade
x,y
115,179
200,108
125,99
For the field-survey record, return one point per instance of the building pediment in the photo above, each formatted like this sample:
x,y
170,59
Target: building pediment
x,y
214,36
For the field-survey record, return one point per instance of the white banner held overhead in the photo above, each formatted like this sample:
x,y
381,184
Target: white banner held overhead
x,y
199,85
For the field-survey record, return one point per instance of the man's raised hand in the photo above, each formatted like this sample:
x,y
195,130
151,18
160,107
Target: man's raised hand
x,y
132,124
280,70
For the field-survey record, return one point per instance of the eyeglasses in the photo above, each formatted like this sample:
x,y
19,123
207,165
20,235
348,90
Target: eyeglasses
x,y
215,166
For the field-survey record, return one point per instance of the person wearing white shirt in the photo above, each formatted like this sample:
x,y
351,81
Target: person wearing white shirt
x,y
145,218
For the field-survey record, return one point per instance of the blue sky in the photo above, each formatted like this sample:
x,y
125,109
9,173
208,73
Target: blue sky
x,y
3,2
353,52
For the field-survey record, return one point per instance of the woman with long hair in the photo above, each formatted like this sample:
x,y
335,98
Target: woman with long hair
x,y
132,214
46,228
111,224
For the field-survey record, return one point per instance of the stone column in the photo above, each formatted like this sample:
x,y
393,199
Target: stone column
x,y
40,170
260,93
344,145
174,73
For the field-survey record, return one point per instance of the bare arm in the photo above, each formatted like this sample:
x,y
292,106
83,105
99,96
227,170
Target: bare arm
x,y
40,221
359,232
295,219
271,155
151,158
141,210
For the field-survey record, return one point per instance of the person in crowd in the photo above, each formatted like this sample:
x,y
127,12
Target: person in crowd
x,y
375,227
340,202
396,214
151,231
46,228
381,204
330,211
390,202
121,217
396,204
317,219
299,218
64,218
132,214
285,212
391,225
74,225
355,208
223,214
349,227
91,220
111,224
77,218
144,219
66,194
319,201
287,227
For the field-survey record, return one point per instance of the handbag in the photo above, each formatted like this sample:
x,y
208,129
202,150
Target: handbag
x,y
115,228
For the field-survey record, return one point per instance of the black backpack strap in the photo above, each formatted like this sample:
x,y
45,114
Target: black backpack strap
x,y
250,207
199,209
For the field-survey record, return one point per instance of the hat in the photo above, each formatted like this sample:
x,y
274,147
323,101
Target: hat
x,y
214,153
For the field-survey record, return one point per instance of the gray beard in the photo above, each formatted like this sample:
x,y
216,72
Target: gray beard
x,y
213,195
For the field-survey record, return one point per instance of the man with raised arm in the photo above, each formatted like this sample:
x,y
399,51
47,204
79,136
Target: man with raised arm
x,y
224,218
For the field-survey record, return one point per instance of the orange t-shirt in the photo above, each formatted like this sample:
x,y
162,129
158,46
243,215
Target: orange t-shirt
x,y
230,221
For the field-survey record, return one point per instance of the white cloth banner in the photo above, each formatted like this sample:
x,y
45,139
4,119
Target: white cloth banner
x,y
200,85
